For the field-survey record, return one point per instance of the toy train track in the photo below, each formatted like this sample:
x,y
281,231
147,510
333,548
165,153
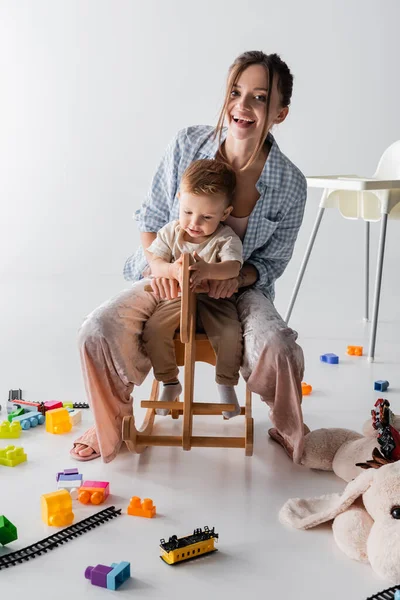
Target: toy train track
x,y
59,538
386,594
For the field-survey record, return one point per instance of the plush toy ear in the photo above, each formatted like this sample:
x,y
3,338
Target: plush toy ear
x,y
304,514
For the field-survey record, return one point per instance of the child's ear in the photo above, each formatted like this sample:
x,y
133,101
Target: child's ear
x,y
227,212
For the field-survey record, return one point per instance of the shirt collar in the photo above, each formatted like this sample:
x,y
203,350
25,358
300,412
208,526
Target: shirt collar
x,y
271,175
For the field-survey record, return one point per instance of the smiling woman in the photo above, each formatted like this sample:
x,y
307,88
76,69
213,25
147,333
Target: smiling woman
x,y
267,211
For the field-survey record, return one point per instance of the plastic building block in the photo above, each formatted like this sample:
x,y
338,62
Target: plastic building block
x,y
68,405
15,394
8,531
331,359
57,421
71,483
75,416
306,388
355,350
137,508
15,413
29,419
12,456
120,573
52,405
81,405
93,492
381,385
67,472
10,430
57,509
109,577
98,575
396,595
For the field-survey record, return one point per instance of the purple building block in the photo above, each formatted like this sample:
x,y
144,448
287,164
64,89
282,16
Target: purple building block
x,y
67,472
98,575
331,359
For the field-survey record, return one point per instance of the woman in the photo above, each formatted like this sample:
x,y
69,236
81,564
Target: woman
x,y
268,210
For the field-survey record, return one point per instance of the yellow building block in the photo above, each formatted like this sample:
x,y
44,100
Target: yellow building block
x,y
57,509
68,404
57,421
10,430
12,456
137,508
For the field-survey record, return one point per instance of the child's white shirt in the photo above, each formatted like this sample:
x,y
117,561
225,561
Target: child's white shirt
x,y
221,246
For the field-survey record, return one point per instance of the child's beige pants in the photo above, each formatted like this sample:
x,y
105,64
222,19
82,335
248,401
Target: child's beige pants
x,y
220,321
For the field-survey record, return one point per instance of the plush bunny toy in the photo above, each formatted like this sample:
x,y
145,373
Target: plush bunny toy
x,y
366,517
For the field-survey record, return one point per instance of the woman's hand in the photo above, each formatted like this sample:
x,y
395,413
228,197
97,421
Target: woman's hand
x,y
164,288
224,288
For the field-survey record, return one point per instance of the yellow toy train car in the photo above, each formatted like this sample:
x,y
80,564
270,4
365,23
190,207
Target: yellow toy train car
x,y
197,544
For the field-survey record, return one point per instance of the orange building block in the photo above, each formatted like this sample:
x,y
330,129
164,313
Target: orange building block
x,y
93,492
306,388
137,508
355,350
57,509
57,421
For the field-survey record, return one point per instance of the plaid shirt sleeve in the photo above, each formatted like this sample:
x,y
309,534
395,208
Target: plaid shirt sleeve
x,y
155,210
271,259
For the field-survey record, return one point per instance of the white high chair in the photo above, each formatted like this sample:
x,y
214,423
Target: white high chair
x,y
371,199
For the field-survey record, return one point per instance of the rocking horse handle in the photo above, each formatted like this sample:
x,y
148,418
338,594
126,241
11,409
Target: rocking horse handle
x,y
187,297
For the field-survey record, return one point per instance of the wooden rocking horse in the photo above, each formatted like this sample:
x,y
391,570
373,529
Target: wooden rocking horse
x,y
189,347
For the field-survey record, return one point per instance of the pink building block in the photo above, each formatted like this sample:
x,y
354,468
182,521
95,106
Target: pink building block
x,y
52,404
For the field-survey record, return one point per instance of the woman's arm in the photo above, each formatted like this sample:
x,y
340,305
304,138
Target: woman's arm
x,y
147,237
247,276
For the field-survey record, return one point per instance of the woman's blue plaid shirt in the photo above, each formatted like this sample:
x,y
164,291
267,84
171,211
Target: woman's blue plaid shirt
x,y
273,225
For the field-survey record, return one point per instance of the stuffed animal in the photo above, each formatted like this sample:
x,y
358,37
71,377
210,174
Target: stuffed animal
x,y
366,517
340,450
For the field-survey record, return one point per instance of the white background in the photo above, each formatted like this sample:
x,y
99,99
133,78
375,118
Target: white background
x,y
90,94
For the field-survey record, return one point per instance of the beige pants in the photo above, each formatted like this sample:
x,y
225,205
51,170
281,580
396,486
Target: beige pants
x,y
114,361
220,321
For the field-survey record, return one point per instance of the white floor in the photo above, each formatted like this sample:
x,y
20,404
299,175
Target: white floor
x,y
240,496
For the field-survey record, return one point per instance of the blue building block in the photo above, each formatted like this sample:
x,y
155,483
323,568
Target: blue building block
x,y
78,477
381,385
397,595
120,573
331,359
30,419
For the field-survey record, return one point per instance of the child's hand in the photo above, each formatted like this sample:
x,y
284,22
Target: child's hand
x,y
201,271
175,270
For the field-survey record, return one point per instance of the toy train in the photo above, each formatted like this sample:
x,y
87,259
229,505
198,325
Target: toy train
x,y
197,544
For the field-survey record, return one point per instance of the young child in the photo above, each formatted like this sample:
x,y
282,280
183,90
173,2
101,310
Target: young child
x,y
205,198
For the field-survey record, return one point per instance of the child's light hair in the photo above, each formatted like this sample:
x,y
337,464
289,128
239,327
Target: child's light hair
x,y
209,177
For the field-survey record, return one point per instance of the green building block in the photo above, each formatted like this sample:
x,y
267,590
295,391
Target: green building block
x,y
12,456
8,531
10,430
16,413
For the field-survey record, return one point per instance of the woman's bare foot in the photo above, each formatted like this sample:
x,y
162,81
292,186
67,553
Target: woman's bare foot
x,y
87,446
83,450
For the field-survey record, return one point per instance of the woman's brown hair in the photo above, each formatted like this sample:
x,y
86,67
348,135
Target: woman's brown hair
x,y
275,68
